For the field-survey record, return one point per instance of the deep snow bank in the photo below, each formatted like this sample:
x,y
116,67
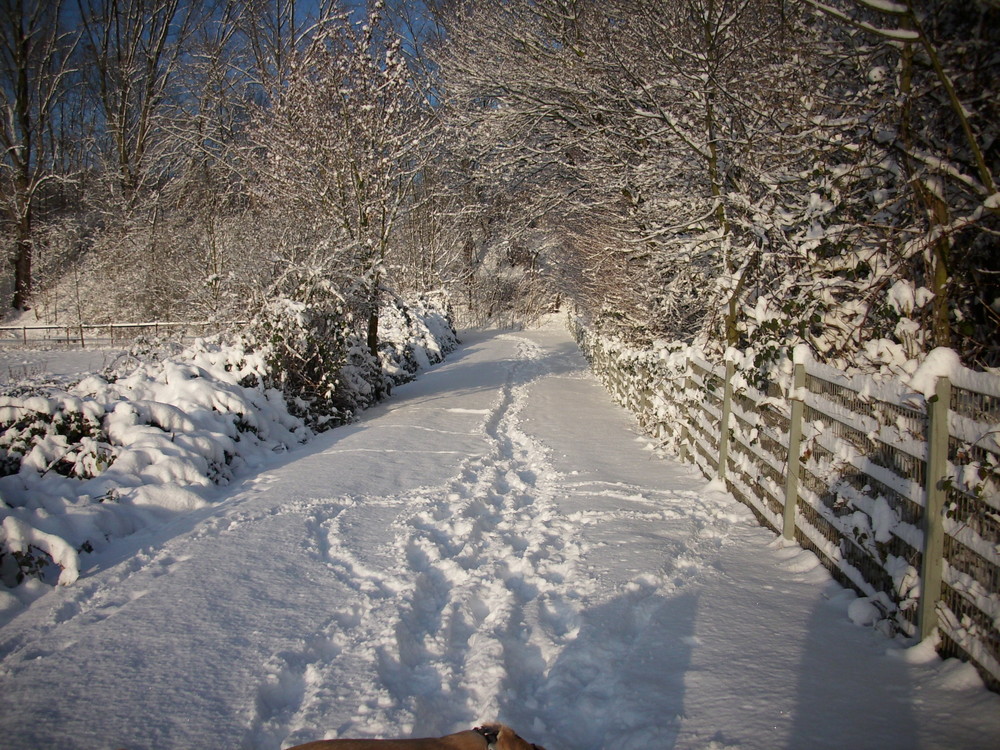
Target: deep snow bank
x,y
114,453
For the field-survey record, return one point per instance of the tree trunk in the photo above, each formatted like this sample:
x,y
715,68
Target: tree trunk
x,y
733,308
381,388
940,263
927,203
373,330
22,263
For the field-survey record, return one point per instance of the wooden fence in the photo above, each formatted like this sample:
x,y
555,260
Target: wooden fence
x,y
898,495
80,335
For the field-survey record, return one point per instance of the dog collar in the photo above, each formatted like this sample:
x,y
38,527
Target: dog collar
x,y
490,735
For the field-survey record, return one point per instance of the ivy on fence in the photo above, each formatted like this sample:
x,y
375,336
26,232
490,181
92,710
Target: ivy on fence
x,y
898,494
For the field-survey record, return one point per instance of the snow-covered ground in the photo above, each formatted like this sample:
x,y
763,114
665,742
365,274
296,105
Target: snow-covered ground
x,y
496,541
18,364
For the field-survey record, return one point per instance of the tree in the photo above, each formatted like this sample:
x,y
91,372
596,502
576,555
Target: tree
x,y
340,149
637,126
894,252
133,51
753,172
274,33
34,68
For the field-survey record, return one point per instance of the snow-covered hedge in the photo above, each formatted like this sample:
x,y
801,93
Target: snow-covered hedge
x,y
317,351
110,455
415,336
84,464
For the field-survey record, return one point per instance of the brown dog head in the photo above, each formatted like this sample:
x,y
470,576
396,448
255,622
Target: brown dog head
x,y
500,737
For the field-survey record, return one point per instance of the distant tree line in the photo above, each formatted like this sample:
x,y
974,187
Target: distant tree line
x,y
757,173
181,158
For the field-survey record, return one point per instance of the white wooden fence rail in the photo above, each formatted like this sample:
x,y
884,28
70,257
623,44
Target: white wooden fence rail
x,y
897,495
74,335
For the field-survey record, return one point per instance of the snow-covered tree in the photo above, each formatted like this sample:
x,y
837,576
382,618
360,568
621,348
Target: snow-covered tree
x,y
340,149
889,241
749,172
35,50
632,127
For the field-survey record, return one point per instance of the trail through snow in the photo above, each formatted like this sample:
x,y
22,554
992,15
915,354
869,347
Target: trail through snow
x,y
496,541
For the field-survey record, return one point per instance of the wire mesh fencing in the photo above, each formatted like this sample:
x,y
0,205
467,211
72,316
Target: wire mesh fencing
x,y
898,494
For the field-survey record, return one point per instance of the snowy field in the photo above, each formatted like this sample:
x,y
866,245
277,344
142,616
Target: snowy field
x,y
18,364
495,541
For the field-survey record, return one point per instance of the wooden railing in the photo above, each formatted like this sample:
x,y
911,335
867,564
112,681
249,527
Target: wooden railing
x,y
81,335
898,495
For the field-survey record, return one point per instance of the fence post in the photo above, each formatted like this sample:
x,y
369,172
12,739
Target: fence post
x,y
727,407
794,460
935,494
683,431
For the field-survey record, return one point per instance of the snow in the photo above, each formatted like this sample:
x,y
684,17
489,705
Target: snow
x,y
20,536
904,297
941,362
801,354
886,6
16,365
496,541
107,456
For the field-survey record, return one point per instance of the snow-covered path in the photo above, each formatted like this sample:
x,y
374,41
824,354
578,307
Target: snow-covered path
x,y
496,541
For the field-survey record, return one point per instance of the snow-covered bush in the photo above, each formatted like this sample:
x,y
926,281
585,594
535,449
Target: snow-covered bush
x,y
81,465
306,343
112,454
415,335
317,352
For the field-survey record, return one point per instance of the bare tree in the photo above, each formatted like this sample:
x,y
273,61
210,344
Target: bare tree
x,y
341,147
274,33
34,68
132,53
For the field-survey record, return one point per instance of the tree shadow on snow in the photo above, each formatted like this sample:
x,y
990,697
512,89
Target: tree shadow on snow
x,y
618,686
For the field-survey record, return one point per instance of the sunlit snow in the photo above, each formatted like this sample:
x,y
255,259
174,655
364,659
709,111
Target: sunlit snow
x,y
496,541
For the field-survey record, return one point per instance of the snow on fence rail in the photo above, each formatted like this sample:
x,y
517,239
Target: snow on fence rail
x,y
897,492
81,334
